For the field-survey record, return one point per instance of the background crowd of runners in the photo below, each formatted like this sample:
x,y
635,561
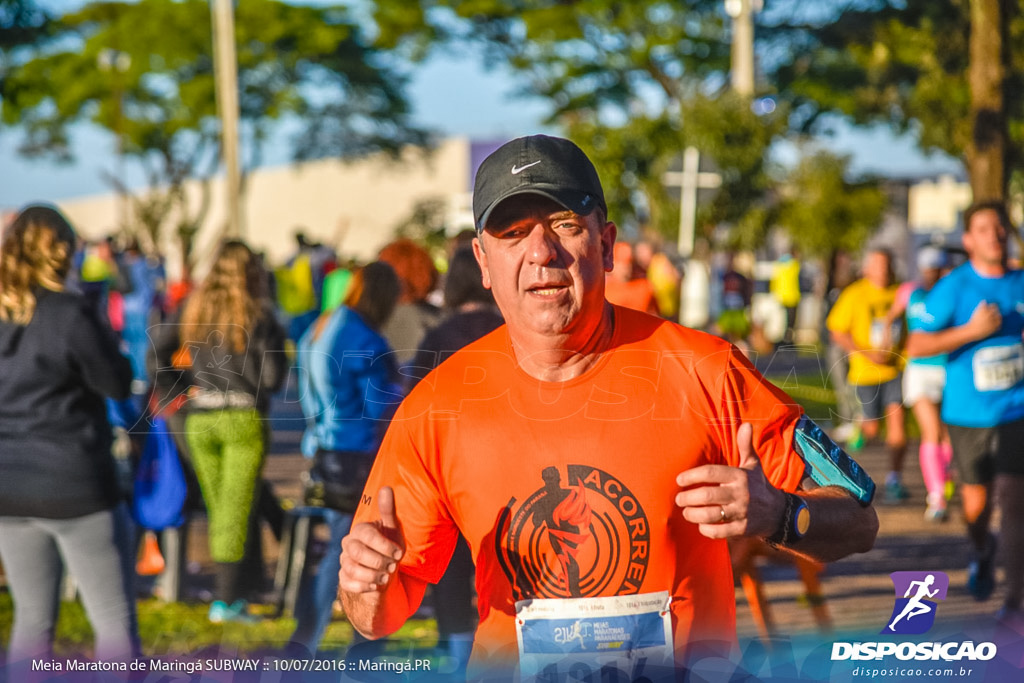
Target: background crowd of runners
x,y
359,336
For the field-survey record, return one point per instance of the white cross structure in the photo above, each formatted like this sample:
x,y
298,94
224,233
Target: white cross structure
x,y
689,180
695,293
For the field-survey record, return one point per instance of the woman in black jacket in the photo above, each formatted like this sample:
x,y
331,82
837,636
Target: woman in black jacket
x,y
58,492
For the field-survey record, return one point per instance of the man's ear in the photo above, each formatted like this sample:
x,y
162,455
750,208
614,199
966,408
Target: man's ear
x,y
608,235
481,259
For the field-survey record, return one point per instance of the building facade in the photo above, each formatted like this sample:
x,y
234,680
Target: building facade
x,y
352,206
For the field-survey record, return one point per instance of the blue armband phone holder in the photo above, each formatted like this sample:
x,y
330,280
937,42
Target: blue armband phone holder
x,y
828,463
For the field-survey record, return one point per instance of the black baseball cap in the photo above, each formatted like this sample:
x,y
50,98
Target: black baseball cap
x,y
537,164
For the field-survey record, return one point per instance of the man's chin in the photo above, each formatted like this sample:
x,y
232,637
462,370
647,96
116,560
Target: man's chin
x,y
554,323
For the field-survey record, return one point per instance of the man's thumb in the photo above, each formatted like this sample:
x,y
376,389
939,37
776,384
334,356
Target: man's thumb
x,y
386,506
745,442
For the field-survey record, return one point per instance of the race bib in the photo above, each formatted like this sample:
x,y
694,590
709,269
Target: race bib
x,y
877,336
623,637
733,301
997,368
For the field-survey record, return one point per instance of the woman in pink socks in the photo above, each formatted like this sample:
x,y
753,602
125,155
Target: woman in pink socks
x,y
923,381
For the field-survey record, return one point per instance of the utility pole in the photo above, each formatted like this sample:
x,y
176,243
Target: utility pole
x,y
742,13
695,293
117,63
225,65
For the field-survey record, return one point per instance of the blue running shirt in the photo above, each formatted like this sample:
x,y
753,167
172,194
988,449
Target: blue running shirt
x,y
917,316
984,379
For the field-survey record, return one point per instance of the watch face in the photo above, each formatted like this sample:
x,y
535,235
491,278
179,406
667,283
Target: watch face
x,y
803,519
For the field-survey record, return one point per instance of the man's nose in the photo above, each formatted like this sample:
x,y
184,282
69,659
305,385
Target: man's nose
x,y
540,247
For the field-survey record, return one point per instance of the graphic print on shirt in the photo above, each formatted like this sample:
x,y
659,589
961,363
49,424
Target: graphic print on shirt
x,y
579,535
880,326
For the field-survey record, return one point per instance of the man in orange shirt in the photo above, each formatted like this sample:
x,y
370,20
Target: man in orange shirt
x,y
623,287
595,458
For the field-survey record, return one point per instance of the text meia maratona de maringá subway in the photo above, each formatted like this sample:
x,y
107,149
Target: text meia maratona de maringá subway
x,y
77,665
168,665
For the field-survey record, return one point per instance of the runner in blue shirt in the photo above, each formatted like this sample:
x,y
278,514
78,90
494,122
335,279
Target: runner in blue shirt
x,y
975,314
924,379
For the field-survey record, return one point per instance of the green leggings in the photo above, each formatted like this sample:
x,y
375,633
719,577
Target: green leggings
x,y
227,452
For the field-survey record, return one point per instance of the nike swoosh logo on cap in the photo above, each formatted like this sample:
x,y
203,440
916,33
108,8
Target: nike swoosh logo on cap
x,y
516,170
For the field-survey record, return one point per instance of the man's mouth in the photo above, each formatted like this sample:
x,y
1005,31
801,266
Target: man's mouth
x,y
546,289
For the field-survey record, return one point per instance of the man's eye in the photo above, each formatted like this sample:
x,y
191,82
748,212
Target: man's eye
x,y
568,226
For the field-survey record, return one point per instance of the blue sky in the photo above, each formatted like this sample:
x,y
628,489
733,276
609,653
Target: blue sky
x,y
456,97
451,94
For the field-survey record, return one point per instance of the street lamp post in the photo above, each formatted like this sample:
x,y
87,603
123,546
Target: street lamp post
x,y
742,14
117,63
226,78
690,179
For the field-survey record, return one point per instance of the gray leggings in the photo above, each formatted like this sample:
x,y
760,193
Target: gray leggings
x,y
94,549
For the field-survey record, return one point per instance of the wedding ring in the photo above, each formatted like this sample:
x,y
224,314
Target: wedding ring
x,y
722,509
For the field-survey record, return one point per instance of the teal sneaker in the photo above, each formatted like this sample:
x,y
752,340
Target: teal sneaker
x,y
218,612
895,493
238,612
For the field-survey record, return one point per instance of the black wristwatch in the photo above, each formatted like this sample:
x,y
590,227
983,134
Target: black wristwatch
x,y
794,522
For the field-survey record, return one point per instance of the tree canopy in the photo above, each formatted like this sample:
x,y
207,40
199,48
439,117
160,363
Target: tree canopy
x,y
633,83
909,64
22,22
822,211
589,55
144,71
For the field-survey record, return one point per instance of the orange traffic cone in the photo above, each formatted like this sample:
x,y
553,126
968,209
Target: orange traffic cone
x,y
151,560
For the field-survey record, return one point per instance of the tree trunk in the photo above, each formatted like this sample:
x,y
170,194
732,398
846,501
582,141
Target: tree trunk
x,y
986,153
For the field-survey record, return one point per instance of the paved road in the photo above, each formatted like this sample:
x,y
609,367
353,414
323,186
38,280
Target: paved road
x,y
858,589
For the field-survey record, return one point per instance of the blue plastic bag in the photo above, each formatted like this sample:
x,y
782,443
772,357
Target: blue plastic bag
x,y
160,487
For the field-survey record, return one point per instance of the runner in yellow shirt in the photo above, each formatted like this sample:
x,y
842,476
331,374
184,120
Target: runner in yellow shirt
x,y
859,324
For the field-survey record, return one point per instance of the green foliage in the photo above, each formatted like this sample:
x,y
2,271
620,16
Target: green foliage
x,y
903,63
822,212
582,54
726,129
425,224
144,71
180,628
157,88
21,23
811,391
632,83
631,160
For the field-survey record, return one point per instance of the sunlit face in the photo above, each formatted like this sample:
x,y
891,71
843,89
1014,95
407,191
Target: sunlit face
x,y
876,268
546,265
985,238
929,276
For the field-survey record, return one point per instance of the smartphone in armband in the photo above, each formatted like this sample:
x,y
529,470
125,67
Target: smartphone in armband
x,y
828,464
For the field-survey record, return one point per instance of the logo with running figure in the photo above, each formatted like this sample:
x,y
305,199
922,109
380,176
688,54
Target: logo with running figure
x,y
914,612
581,534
